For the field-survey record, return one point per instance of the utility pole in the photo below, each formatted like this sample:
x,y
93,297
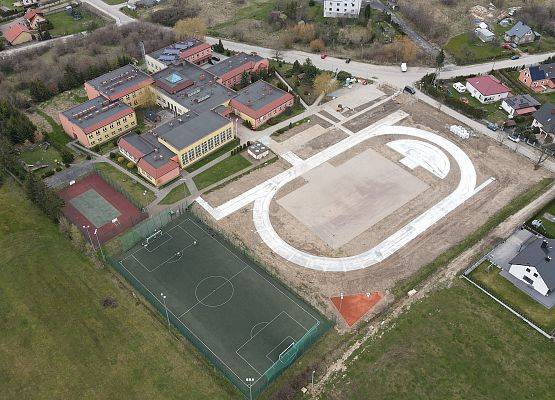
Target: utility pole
x,y
167,315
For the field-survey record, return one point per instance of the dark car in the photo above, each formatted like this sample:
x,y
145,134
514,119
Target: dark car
x,y
409,89
515,57
216,58
348,60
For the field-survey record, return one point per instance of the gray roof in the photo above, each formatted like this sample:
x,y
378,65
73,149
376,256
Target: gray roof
x,y
119,80
203,97
94,111
521,101
519,30
259,95
257,148
145,143
540,257
233,62
170,54
546,116
159,156
187,129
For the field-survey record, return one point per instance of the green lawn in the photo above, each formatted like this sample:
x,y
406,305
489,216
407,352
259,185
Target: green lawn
x,y
467,51
296,109
402,287
114,2
177,193
220,171
212,156
59,342
548,226
51,156
455,344
64,24
511,295
140,194
494,114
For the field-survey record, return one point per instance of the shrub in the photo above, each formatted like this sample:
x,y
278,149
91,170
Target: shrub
x,y
120,159
88,157
247,124
130,165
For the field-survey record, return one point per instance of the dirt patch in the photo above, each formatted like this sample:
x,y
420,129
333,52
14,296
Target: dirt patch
x,y
316,145
369,117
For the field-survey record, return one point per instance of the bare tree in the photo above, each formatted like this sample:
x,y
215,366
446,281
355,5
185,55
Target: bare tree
x,y
546,149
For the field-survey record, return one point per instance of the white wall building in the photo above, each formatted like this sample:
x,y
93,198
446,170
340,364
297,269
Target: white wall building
x,y
342,8
535,265
487,89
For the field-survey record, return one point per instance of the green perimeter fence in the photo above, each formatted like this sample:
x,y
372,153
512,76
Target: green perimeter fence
x,y
250,390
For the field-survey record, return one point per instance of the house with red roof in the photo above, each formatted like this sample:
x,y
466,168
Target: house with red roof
x,y
34,17
18,33
487,89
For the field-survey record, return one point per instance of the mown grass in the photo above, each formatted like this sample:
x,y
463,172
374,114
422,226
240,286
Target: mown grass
x,y
140,194
505,291
59,342
548,227
220,171
454,344
64,24
57,135
469,51
401,288
177,193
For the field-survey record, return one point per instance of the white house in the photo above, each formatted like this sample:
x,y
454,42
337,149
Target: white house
x,y
342,8
535,266
487,89
484,34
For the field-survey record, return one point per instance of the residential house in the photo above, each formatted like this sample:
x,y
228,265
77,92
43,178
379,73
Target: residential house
x,y
540,78
34,17
18,33
191,50
484,34
342,8
259,102
98,120
544,119
487,89
154,162
534,265
128,84
522,104
229,72
520,33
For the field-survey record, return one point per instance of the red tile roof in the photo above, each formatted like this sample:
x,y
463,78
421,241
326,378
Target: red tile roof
x,y
15,30
488,85
32,12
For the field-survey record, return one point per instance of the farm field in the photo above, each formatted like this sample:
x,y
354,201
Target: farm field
x,y
59,341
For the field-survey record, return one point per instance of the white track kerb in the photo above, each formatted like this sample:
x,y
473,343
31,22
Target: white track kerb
x,y
263,194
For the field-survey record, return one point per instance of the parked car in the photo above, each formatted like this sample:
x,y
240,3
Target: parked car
x,y
409,89
323,56
459,87
491,126
506,46
404,67
515,57
216,58
348,60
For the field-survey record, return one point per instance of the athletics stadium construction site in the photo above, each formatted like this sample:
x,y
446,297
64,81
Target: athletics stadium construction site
x,y
360,200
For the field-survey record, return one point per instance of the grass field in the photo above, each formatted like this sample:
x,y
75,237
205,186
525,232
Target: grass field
x,y
51,156
137,191
455,344
212,156
177,193
114,2
64,24
509,294
401,288
57,135
220,171
467,51
58,341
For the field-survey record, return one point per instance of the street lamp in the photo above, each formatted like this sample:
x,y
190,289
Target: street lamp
x,y
166,308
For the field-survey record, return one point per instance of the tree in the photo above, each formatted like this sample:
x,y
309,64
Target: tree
x,y
245,79
15,125
367,12
440,59
546,149
317,45
190,27
325,83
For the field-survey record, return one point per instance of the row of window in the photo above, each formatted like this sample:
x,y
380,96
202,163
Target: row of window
x,y
206,146
275,111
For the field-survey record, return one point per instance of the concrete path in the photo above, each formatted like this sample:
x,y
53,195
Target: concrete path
x,y
263,194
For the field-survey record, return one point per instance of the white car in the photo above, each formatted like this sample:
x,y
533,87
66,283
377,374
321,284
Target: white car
x,y
404,67
459,87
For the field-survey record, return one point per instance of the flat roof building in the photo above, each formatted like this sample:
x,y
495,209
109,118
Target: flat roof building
x,y
260,101
98,120
128,84
192,50
230,70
